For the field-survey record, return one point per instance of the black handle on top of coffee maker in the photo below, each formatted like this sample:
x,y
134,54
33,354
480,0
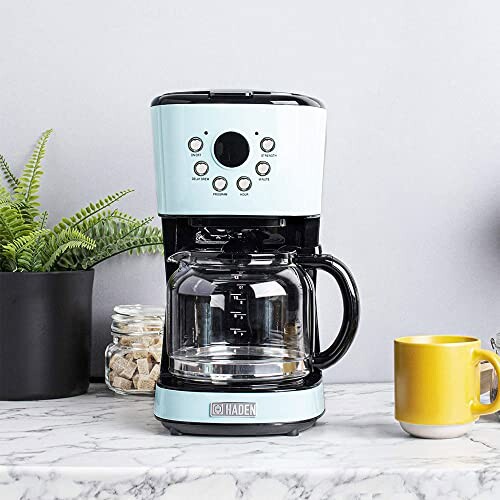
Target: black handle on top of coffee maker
x,y
350,299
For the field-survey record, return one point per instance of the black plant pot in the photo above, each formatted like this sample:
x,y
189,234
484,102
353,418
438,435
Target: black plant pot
x,y
45,325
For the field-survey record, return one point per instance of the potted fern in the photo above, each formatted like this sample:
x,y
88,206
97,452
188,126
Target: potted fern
x,y
46,279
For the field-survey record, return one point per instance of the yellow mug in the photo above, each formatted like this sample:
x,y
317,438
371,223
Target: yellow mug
x,y
437,384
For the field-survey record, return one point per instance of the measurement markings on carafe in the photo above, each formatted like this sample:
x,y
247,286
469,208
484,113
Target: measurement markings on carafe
x,y
238,321
238,331
237,297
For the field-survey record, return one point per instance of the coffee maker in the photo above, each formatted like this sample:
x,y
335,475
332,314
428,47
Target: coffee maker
x,y
239,180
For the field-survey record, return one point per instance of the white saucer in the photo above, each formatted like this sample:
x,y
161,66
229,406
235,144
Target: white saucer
x,y
436,431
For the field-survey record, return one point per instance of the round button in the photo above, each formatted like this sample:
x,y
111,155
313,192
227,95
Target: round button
x,y
244,183
219,183
267,144
195,144
201,168
262,168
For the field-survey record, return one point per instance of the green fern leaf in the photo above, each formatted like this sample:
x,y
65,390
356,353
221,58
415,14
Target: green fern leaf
x,y
79,219
12,224
34,255
105,217
20,252
29,183
10,178
139,240
4,195
112,238
42,223
58,244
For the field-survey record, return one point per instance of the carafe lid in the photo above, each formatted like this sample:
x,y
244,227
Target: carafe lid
x,y
211,257
244,247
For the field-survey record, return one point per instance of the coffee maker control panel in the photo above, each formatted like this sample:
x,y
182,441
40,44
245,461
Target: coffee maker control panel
x,y
225,159
231,154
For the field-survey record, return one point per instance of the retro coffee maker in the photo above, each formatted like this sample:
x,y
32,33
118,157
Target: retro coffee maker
x,y
239,178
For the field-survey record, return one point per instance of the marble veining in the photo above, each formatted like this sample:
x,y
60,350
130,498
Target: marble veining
x,y
106,446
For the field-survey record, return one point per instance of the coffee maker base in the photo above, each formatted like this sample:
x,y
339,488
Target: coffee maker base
x,y
230,411
249,430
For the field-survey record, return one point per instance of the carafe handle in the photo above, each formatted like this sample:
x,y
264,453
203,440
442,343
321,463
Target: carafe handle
x,y
350,299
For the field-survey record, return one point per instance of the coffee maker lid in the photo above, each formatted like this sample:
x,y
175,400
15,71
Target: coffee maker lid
x,y
236,97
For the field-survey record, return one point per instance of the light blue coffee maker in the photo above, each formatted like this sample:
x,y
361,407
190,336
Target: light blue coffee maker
x,y
239,180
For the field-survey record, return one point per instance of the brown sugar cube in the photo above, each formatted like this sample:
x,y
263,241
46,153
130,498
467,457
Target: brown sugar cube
x,y
147,340
111,376
127,341
142,353
117,363
145,383
155,372
129,370
156,354
122,383
129,356
143,366
135,380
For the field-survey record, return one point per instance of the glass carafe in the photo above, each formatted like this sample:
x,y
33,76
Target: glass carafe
x,y
250,317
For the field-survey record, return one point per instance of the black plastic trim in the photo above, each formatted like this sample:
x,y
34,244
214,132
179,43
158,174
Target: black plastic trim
x,y
301,233
236,97
269,429
240,220
350,299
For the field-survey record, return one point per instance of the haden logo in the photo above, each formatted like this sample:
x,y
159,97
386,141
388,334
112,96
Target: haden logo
x,y
231,409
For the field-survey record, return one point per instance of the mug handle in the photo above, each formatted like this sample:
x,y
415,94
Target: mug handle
x,y
477,407
350,300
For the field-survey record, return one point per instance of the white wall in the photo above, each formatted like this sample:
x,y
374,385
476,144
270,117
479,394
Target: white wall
x,y
412,182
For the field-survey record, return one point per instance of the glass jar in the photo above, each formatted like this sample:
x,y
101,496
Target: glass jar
x,y
248,317
132,359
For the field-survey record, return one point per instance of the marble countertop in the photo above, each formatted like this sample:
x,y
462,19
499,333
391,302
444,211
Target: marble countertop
x,y
105,446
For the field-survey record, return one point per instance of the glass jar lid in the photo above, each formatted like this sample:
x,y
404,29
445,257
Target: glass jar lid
x,y
140,310
138,319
